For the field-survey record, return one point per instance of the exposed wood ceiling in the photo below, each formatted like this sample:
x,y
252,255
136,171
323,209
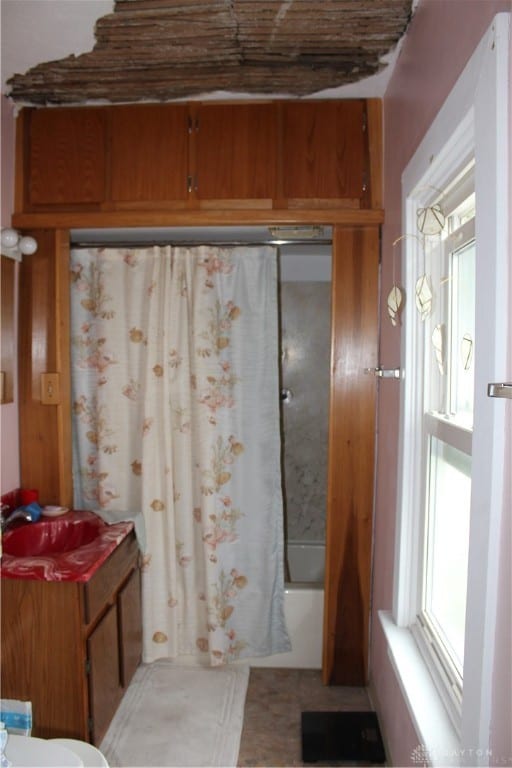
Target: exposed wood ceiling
x,y
159,50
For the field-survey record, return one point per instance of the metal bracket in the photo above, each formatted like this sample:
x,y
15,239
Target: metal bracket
x,y
500,389
384,373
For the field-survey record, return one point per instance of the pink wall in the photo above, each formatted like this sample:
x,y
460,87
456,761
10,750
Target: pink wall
x,y
439,42
10,467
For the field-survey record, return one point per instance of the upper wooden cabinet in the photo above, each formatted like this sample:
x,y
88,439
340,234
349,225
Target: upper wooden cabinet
x,y
149,153
65,155
323,154
236,152
201,155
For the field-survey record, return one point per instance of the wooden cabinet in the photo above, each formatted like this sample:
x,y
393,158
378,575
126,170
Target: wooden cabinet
x,y
72,648
201,155
323,152
236,153
66,156
149,154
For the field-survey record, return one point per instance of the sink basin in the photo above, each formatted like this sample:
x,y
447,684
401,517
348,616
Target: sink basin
x,y
49,537
70,547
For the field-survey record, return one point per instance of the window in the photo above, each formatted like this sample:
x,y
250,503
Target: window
x,y
445,380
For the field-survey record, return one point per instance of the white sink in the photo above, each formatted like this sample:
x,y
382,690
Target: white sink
x,y
29,752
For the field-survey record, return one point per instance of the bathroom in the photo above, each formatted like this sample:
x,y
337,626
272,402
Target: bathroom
x,y
416,92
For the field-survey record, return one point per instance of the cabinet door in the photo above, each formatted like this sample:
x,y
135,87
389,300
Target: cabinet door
x,y
236,153
130,627
105,691
323,152
149,153
66,156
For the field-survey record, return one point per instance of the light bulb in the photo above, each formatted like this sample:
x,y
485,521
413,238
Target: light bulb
x,y
9,238
27,245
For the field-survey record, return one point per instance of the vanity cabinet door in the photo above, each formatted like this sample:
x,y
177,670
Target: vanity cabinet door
x,y
235,154
105,689
130,627
149,154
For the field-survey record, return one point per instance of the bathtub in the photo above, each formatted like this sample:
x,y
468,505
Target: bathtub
x,y
303,608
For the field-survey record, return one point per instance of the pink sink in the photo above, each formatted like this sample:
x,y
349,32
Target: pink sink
x,y
50,537
67,548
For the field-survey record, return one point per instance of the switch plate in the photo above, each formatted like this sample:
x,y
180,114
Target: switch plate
x,y
50,388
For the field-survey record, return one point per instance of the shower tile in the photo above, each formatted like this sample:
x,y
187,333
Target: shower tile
x,y
305,370
271,733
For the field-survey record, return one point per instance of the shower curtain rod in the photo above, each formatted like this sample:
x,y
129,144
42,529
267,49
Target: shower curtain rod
x,y
193,243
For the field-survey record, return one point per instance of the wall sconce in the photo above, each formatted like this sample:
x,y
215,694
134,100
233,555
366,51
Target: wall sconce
x,y
15,245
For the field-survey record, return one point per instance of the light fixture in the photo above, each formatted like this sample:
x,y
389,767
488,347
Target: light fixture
x,y
297,233
15,245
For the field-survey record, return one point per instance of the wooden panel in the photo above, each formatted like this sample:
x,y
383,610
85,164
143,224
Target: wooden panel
x,y
63,365
104,583
67,156
105,691
45,437
149,152
198,218
7,340
373,196
351,455
236,151
41,660
130,627
323,149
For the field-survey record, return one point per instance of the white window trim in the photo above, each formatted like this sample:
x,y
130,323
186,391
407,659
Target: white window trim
x,y
478,109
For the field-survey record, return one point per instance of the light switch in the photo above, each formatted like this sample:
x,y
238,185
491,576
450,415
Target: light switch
x,y
50,388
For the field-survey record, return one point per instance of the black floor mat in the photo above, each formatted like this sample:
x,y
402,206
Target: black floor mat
x,y
341,737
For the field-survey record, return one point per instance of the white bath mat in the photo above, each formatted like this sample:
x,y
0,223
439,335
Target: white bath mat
x,y
179,716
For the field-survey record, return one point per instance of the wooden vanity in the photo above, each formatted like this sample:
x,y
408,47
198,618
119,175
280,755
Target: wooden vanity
x,y
71,648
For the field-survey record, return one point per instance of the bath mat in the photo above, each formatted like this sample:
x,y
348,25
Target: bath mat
x,y
341,737
179,716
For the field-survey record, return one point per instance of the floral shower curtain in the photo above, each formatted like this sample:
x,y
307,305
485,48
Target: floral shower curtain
x,y
176,413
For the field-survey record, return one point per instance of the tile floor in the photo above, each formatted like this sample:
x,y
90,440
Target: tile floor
x,y
271,735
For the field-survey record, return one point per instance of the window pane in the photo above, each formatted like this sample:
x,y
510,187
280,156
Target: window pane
x,y
463,334
447,545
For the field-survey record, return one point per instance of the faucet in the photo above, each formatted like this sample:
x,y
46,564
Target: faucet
x,y
18,514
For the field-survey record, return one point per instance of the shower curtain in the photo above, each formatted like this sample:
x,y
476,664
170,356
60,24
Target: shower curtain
x,y
176,414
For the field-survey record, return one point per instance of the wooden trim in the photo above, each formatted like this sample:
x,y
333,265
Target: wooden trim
x,y
374,116
63,360
8,353
181,218
22,154
43,347
351,455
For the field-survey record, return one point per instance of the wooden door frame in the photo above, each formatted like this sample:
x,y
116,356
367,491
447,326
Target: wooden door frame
x,y
354,347
352,420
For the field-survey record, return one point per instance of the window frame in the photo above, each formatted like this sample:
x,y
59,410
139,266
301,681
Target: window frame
x,y
457,153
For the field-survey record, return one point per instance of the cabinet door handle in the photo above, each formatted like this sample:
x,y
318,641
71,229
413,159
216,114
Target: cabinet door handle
x,y
191,184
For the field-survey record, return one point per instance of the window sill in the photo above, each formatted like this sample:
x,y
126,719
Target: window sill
x,y
439,744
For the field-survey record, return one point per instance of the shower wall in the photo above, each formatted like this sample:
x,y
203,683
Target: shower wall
x,y
305,364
